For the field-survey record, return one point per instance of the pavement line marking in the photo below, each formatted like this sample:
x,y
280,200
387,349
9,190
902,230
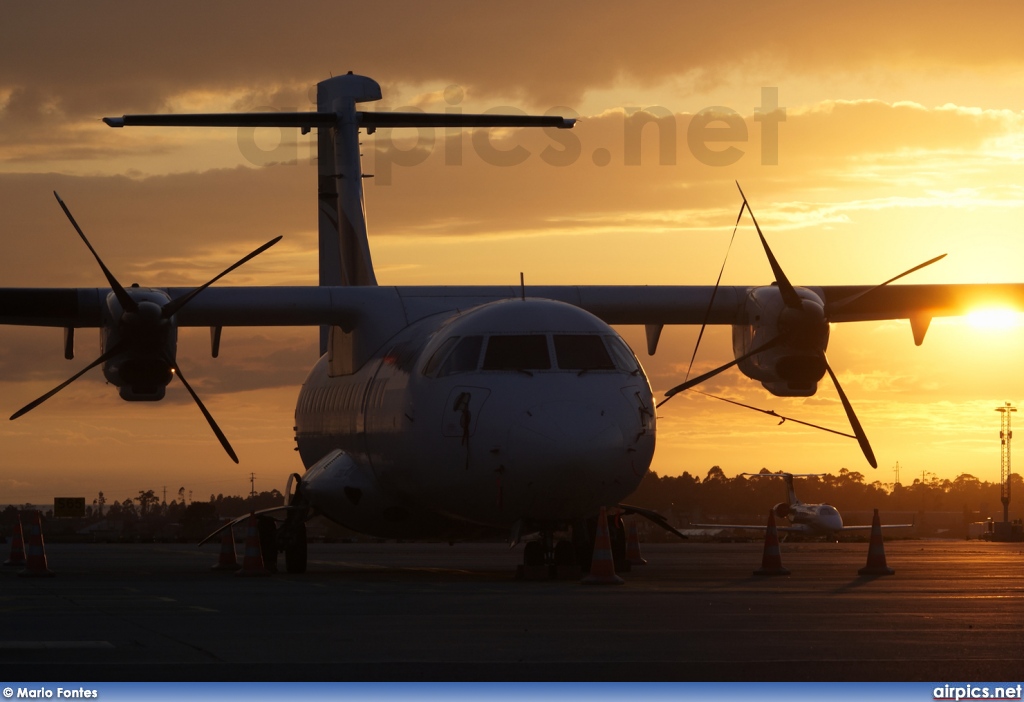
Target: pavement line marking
x,y
51,645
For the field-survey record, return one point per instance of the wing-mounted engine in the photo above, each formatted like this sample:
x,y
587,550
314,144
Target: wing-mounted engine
x,y
793,366
782,510
140,344
139,338
784,339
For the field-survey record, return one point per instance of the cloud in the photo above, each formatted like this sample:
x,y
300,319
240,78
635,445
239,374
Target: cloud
x,y
901,141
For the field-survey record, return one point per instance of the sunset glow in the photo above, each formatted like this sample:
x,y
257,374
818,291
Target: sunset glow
x,y
994,318
892,139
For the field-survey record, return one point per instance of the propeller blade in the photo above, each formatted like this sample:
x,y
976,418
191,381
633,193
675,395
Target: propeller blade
x,y
653,516
127,303
712,373
862,438
847,300
773,413
172,307
202,408
789,295
113,351
711,302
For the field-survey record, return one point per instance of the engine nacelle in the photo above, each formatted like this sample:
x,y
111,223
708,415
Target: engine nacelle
x,y
782,510
794,367
145,343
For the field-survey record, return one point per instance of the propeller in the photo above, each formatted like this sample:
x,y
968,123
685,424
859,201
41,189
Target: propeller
x,y
104,357
711,302
141,319
772,413
796,319
786,288
771,343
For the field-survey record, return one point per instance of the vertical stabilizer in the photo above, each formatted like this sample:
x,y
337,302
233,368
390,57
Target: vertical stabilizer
x,y
344,248
788,477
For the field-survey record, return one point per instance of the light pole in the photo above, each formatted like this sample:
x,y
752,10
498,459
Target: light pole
x,y
1004,457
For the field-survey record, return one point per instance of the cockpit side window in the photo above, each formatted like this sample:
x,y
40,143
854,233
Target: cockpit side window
x,y
624,358
517,352
582,352
435,361
464,358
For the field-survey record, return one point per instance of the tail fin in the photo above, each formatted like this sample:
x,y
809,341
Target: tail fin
x,y
344,248
789,487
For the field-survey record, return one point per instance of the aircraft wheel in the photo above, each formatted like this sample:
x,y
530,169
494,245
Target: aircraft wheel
x,y
533,554
296,552
583,543
617,535
268,542
565,554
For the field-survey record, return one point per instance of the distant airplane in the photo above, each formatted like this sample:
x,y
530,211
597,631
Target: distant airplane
x,y
804,518
455,411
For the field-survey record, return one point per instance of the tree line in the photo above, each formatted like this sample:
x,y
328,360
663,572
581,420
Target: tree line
x,y
689,498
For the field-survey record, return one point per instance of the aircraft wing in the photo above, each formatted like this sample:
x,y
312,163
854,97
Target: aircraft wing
x,y
615,304
865,527
750,527
753,527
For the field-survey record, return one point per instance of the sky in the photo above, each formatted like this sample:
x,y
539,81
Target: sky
x,y
868,138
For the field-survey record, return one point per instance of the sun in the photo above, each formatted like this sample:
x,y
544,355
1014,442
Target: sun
x,y
994,318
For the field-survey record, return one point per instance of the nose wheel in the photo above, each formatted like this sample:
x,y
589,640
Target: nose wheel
x,y
567,555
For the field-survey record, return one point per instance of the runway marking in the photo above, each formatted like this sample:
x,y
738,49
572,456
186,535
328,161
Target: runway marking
x,y
51,645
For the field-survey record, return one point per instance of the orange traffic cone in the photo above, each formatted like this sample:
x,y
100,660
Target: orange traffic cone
x,y
17,546
227,559
252,564
876,551
633,555
35,549
602,565
771,561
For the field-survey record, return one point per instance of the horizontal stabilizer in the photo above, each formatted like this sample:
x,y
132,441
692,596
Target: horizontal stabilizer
x,y
308,120
304,120
421,119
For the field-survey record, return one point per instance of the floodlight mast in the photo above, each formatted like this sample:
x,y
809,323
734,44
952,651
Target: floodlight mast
x,y
1004,457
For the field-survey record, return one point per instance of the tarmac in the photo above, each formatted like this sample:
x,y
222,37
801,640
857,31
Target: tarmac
x,y
953,610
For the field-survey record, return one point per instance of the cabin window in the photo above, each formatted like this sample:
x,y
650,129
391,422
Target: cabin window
x,y
624,358
464,358
517,352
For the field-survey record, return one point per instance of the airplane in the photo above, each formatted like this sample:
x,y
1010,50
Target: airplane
x,y
804,518
459,411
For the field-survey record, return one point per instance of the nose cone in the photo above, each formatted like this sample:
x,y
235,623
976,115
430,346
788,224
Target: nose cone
x,y
830,519
574,457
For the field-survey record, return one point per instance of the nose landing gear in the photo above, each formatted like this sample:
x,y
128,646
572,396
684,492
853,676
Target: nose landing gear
x,y
565,553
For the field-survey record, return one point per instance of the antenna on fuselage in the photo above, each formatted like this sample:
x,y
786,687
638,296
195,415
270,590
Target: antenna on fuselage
x,y
522,286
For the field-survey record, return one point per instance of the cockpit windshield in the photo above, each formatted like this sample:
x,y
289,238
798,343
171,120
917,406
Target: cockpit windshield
x,y
517,352
465,356
582,352
531,352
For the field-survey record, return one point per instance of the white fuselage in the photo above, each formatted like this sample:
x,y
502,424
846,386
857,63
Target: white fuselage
x,y
517,412
815,518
